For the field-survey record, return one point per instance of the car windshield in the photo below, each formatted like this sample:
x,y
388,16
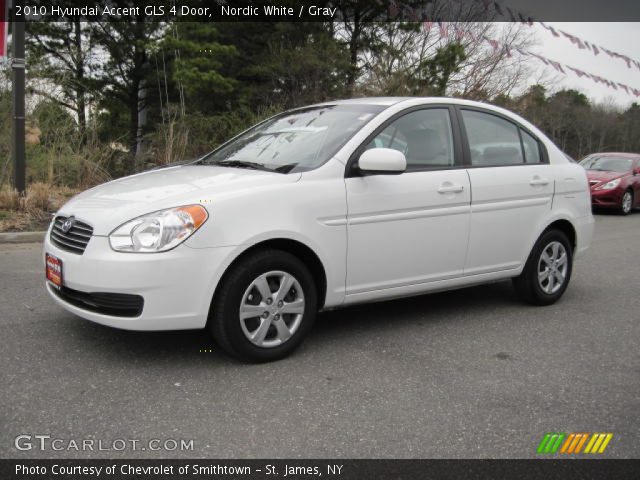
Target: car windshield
x,y
295,141
607,163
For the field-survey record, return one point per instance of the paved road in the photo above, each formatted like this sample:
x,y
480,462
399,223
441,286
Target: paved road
x,y
471,373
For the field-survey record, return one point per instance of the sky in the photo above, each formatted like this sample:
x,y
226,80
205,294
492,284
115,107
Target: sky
x,y
620,37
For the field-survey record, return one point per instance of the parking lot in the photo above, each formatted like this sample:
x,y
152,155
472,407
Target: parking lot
x,y
470,373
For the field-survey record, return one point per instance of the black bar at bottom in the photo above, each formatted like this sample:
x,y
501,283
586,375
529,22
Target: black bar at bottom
x,y
327,469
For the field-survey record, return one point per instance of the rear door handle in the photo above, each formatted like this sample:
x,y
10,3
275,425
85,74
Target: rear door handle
x,y
538,181
451,189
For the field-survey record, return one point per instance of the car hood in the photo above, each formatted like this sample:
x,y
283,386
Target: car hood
x,y
111,204
602,176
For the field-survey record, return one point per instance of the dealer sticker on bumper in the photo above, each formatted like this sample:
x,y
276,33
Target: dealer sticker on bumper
x,y
54,270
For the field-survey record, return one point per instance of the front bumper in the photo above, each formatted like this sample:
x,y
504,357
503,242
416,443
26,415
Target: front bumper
x,y
606,198
177,286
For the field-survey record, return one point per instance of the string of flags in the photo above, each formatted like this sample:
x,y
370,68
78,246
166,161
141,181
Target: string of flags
x,y
592,47
396,8
461,33
507,13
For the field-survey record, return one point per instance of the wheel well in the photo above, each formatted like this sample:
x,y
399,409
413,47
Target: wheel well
x,y
300,250
565,227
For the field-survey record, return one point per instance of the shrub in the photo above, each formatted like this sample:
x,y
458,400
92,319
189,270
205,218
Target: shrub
x,y
9,199
38,197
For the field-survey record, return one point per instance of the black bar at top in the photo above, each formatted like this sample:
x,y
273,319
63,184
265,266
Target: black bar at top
x,y
335,10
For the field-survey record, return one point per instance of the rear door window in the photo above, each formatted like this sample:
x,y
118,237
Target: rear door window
x,y
495,141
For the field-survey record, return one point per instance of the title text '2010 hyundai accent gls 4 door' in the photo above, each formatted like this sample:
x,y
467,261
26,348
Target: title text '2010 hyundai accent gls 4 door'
x,y
319,207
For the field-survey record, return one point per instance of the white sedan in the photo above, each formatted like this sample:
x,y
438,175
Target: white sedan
x,y
319,207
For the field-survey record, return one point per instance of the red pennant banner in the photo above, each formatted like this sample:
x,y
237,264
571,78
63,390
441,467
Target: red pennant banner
x,y
443,29
580,43
461,33
494,44
556,65
394,10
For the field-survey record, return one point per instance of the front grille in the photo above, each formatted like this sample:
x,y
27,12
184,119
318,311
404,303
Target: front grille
x,y
593,182
75,240
114,304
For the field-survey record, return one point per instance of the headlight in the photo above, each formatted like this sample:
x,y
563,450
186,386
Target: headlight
x,y
158,231
609,185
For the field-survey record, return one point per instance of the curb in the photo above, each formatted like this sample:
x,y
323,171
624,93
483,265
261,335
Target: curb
x,y
22,237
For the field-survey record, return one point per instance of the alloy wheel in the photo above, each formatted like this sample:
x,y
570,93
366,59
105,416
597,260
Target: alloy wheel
x,y
627,199
552,267
271,309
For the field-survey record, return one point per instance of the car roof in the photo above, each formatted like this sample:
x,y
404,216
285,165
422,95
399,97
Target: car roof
x,y
617,154
389,101
383,101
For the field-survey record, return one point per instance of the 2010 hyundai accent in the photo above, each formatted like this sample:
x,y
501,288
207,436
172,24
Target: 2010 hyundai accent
x,y
319,207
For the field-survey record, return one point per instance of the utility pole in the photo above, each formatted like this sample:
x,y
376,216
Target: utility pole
x,y
18,67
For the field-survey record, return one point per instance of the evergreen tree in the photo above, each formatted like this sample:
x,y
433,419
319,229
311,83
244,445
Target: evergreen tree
x,y
60,59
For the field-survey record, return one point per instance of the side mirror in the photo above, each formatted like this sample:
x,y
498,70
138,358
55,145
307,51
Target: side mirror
x,y
636,171
381,161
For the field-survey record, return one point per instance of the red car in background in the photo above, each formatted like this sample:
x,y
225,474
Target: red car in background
x,y
614,179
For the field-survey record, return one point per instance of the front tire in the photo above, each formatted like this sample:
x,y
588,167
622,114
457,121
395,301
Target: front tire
x,y
626,204
548,269
264,307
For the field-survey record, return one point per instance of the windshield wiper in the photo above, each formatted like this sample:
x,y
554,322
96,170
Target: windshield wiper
x,y
241,164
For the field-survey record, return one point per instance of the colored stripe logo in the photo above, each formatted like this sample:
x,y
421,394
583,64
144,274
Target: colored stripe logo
x,y
574,443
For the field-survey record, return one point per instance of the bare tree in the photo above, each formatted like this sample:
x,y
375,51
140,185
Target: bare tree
x,y
493,64
490,63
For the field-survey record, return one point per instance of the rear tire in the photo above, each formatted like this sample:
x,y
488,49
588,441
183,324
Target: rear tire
x,y
626,205
264,307
547,272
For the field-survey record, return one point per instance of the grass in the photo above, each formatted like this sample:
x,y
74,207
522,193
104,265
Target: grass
x,y
33,211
